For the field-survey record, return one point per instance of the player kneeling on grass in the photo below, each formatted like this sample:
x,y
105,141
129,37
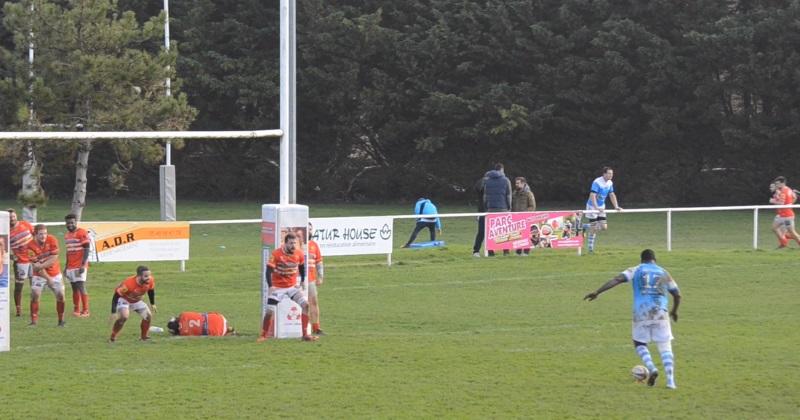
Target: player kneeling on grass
x,y
200,324
128,296
285,263
651,284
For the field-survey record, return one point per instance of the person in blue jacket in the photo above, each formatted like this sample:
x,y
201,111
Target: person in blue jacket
x,y
422,207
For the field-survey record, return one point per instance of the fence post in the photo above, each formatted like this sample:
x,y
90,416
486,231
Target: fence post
x,y
669,230
755,228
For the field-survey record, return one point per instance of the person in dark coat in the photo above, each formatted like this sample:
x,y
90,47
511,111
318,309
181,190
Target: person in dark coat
x,y
497,193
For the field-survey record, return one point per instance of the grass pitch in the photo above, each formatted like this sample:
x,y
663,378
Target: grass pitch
x,y
438,334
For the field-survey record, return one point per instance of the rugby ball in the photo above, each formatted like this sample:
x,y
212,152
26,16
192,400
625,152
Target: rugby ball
x,y
639,373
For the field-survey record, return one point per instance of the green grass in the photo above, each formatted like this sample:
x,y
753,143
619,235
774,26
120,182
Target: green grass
x,y
438,334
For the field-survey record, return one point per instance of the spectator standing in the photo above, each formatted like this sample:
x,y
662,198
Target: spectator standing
x,y
522,200
497,194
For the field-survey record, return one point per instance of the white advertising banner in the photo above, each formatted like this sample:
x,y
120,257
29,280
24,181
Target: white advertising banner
x,y
5,278
138,241
353,235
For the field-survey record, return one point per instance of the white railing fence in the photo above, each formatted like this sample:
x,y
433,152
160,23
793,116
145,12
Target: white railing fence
x,y
667,210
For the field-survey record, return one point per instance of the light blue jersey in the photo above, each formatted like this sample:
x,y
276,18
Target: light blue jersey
x,y
651,284
602,189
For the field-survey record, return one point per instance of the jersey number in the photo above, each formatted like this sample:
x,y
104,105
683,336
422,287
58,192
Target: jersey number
x,y
649,284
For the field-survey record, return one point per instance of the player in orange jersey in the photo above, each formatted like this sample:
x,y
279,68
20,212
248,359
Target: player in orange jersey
x,y
200,324
783,225
46,272
316,276
20,235
285,263
128,296
76,240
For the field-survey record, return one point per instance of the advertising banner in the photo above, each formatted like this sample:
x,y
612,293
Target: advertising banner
x,y
5,278
512,231
138,241
353,235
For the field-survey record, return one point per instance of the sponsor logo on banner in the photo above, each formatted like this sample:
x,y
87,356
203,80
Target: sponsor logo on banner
x,y
511,231
138,241
353,235
268,234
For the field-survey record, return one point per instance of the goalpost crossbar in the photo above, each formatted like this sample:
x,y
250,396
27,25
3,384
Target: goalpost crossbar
x,y
133,135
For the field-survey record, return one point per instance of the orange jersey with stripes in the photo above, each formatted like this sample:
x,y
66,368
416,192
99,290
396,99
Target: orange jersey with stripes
x,y
76,242
132,291
19,238
786,196
42,252
202,323
285,267
314,258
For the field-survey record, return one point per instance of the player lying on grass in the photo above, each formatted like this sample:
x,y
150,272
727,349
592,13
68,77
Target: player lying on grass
x,y
200,324
128,296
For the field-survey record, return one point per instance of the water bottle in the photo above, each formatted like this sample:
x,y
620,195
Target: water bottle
x,y
157,330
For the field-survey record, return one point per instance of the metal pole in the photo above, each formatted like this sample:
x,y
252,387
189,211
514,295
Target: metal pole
x,y
293,102
669,230
166,175
169,81
30,70
287,91
755,228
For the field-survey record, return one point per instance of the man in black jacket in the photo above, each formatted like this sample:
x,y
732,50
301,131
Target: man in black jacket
x,y
496,198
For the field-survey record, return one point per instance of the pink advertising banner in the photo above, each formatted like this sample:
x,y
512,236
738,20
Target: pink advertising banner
x,y
541,229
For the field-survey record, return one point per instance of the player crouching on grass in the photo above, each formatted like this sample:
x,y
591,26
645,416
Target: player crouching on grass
x,y
127,296
282,269
211,324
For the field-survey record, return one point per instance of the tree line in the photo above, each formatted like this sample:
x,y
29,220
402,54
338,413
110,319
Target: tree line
x,y
691,102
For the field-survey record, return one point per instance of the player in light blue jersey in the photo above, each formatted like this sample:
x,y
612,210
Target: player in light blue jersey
x,y
651,284
602,187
